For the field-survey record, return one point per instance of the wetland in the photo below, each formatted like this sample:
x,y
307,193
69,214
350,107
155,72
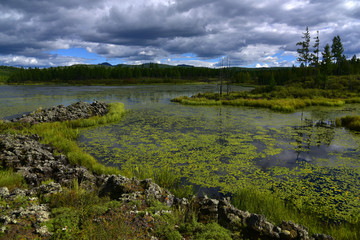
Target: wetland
x,y
301,156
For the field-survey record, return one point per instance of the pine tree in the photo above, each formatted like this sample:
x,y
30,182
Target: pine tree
x,y
326,64
337,52
315,55
304,52
326,60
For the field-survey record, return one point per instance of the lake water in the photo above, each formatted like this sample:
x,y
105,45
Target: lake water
x,y
302,156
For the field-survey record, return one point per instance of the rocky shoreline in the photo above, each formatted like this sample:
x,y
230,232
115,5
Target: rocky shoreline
x,y
39,163
60,113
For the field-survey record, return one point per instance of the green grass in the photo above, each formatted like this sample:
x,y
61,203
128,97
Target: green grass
x,y
11,180
165,177
281,105
281,99
276,210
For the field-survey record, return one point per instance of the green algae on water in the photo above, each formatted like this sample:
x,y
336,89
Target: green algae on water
x,y
310,163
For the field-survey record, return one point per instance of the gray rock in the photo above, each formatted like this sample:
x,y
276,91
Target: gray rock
x,y
151,189
61,113
5,219
49,188
3,229
17,193
115,186
4,192
322,237
43,231
296,231
208,209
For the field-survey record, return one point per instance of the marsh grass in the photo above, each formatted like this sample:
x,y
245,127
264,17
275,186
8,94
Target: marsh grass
x,y
350,122
11,179
276,210
281,99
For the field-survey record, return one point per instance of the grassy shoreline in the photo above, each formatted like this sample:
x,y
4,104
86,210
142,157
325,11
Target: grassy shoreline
x,y
63,136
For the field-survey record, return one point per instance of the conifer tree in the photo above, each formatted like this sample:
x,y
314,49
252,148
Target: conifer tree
x,y
337,52
315,55
326,60
304,52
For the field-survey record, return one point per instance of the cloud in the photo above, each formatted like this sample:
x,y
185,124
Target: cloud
x,y
250,32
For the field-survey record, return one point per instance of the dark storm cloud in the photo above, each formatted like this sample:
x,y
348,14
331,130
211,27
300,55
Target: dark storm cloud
x,y
248,31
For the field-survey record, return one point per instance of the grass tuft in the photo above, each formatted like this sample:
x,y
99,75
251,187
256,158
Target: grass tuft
x,y
11,179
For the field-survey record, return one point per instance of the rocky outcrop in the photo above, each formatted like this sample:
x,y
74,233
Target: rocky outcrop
x,y
30,208
38,162
61,113
255,226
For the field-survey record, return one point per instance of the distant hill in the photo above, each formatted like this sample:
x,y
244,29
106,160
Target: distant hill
x,y
105,64
184,65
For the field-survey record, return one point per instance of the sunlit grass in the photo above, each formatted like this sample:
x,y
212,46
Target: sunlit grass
x,y
11,179
281,99
281,105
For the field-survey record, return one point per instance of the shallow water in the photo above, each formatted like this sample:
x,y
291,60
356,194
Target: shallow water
x,y
300,155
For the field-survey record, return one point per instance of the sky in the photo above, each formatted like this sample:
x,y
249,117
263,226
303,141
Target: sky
x,y
250,33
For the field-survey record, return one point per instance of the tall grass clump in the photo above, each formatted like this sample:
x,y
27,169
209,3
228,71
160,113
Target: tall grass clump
x,y
11,179
350,122
165,177
276,210
63,137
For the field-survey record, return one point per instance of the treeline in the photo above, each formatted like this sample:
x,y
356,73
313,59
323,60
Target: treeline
x,y
157,73
120,73
152,72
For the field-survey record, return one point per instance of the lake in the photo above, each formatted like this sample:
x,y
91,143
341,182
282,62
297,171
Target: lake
x,y
301,156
